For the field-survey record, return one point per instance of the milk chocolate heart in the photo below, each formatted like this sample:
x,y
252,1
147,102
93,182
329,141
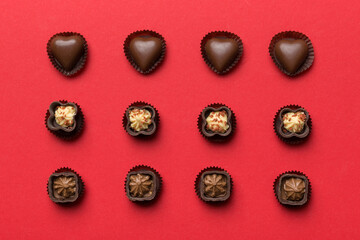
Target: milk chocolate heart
x,y
145,50
68,52
221,51
292,52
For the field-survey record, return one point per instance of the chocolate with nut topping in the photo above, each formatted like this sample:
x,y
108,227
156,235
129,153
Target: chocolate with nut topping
x,y
292,124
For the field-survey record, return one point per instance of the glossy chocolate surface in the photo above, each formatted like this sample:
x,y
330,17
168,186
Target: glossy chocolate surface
x,y
291,53
221,52
145,50
67,52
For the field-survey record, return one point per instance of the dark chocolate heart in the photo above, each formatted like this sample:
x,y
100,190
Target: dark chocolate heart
x,y
221,52
291,53
67,50
145,51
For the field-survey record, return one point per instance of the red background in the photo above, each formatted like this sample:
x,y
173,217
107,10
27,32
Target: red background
x,y
179,89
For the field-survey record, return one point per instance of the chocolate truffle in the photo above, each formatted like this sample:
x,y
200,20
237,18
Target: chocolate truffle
x,y
216,122
292,52
292,124
64,119
145,50
142,184
65,186
221,51
140,119
292,188
213,184
68,52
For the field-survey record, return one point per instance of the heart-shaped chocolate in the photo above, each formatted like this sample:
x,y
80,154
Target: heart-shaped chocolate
x,y
145,50
68,52
221,50
291,53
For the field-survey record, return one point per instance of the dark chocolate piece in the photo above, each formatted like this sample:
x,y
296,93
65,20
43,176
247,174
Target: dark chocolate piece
x,y
289,136
64,186
292,52
65,131
221,51
142,184
150,128
68,52
292,189
145,50
213,185
223,130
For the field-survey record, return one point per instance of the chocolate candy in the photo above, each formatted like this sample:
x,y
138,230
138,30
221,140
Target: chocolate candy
x,y
67,52
221,51
65,186
145,50
140,120
292,124
292,188
292,52
142,184
64,119
216,122
213,184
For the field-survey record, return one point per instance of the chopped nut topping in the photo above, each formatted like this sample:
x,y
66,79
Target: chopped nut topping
x,y
217,121
294,122
64,115
140,119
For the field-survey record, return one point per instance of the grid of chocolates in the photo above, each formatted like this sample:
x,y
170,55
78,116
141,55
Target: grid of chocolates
x,y
292,52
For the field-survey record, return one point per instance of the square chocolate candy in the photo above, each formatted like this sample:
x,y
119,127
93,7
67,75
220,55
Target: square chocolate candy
x,y
142,185
215,186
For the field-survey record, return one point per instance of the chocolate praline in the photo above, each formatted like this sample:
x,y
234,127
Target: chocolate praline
x,y
68,52
145,50
151,125
65,186
286,135
213,185
225,129
142,184
292,189
221,51
65,131
292,52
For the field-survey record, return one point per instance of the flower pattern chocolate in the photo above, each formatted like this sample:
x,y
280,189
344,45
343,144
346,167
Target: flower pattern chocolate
x,y
141,185
64,187
215,185
293,189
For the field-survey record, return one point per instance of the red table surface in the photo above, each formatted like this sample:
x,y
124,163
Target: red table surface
x,y
180,88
